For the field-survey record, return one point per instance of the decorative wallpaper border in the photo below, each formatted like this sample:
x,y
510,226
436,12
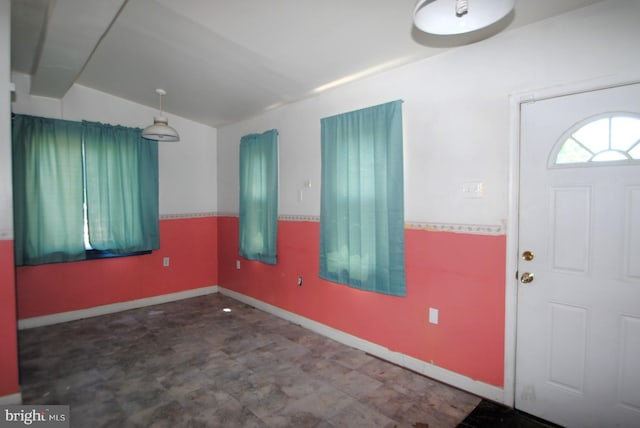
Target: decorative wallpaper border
x,y
474,229
188,215
312,218
227,214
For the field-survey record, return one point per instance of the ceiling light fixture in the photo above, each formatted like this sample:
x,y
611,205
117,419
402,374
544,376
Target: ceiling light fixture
x,y
160,130
448,17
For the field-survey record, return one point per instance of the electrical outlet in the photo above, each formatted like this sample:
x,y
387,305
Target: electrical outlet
x,y
433,315
165,261
299,280
238,264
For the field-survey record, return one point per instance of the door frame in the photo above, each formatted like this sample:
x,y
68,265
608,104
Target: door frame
x,y
516,100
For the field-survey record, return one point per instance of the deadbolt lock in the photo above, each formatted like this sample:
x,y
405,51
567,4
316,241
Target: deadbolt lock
x,y
528,256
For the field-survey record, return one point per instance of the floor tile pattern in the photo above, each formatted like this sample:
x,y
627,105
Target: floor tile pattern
x,y
190,364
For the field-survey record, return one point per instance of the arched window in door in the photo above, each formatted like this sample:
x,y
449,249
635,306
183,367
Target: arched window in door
x,y
613,137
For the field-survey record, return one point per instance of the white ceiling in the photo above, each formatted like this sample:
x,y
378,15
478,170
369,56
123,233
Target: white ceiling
x,y
222,61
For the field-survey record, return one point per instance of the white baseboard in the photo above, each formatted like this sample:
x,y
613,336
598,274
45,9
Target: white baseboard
x,y
8,400
449,377
112,308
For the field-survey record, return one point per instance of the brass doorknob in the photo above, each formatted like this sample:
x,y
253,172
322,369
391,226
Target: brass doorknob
x,y
526,278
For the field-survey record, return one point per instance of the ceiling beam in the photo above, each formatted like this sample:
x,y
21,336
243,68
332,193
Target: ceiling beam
x,y
73,30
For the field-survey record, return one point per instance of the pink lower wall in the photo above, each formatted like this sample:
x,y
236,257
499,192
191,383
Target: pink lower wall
x,y
8,338
462,275
190,243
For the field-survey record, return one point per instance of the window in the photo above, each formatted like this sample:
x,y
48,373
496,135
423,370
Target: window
x,y
362,203
76,178
259,196
609,138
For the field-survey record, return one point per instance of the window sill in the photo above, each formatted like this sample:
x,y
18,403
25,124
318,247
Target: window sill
x,y
106,254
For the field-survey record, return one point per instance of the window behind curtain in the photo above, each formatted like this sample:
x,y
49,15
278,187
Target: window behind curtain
x,y
259,196
362,202
58,166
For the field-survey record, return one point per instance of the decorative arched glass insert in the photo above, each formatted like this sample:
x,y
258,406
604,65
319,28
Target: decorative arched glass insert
x,y
606,138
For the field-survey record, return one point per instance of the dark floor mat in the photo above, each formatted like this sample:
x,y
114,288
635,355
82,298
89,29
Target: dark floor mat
x,y
493,415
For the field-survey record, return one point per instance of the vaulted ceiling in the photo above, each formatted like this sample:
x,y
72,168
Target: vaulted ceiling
x,y
222,61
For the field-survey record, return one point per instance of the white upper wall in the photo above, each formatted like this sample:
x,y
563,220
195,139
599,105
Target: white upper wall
x,y
187,168
6,198
456,113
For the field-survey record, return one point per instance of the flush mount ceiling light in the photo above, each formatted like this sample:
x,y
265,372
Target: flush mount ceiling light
x,y
160,130
447,17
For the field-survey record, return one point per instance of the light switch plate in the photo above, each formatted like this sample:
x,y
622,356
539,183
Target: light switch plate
x,y
473,190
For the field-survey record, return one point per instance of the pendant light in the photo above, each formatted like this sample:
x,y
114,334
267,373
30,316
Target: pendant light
x,y
160,130
448,17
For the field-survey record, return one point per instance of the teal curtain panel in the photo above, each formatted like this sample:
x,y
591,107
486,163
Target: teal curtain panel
x,y
259,196
47,190
121,173
362,199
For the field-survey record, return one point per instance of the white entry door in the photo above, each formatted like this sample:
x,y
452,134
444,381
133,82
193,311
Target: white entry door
x,y
578,314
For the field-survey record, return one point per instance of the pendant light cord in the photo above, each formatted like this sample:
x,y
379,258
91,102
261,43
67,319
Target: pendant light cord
x,y
160,93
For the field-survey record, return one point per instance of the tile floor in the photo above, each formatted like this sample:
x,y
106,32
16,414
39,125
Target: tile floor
x,y
189,364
